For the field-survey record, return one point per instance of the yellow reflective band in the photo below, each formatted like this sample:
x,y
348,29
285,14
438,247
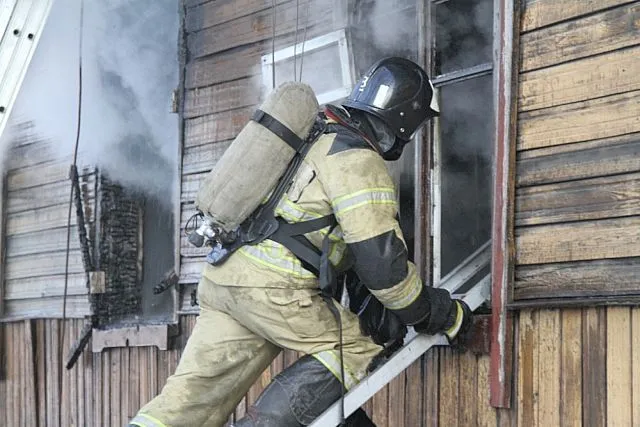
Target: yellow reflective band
x,y
369,196
291,212
146,420
283,263
453,331
331,360
401,295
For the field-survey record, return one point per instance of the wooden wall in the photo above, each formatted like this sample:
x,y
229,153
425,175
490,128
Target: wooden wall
x,y
577,212
576,219
36,206
574,367
578,171
107,389
578,367
103,389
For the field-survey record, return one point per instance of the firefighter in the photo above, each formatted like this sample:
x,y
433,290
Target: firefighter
x,y
263,299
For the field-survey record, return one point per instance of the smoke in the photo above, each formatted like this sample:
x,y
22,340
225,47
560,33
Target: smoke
x,y
130,67
464,34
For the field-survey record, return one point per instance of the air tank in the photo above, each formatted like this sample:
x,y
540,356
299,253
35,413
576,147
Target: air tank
x,y
252,165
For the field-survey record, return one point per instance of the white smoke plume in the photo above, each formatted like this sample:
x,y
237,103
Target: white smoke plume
x,y
130,67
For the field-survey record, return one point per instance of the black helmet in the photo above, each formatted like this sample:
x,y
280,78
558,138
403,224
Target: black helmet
x,y
397,91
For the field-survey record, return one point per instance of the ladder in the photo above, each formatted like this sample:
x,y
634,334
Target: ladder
x,y
417,344
21,24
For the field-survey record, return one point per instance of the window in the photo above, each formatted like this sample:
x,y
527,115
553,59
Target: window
x,y
463,134
128,164
329,52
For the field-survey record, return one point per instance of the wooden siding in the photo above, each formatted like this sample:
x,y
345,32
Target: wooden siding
x,y
102,389
107,389
578,194
36,206
576,367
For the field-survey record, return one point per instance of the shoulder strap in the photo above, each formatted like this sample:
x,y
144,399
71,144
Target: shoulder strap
x,y
280,130
315,260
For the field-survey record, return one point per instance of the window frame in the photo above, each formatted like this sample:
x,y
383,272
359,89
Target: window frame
x,y
338,37
504,69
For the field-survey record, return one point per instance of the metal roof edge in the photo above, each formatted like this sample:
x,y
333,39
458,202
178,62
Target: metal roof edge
x,y
21,26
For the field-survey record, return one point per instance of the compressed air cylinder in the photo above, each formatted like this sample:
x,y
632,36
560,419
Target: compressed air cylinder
x,y
251,166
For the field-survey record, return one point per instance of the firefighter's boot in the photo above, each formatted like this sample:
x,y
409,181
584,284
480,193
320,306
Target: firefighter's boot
x,y
297,396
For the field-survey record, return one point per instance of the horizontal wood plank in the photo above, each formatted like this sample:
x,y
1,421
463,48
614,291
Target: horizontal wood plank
x,y
222,97
202,158
190,270
45,287
34,176
41,242
540,13
216,127
47,308
581,160
607,277
190,186
240,62
186,211
594,77
45,195
40,265
589,199
582,121
258,27
42,219
604,32
578,241
187,250
37,152
220,11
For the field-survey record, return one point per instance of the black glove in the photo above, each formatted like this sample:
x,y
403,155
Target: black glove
x,y
376,321
457,326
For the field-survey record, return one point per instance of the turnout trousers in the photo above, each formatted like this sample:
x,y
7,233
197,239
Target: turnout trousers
x,y
239,332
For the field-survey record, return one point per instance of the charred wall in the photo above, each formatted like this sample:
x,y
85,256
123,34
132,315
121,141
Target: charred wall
x,y
119,253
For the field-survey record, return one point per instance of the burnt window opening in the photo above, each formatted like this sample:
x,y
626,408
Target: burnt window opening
x,y
134,250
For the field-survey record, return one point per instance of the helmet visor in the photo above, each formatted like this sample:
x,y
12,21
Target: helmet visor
x,y
387,87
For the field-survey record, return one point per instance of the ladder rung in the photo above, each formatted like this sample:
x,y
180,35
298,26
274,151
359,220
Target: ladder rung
x,y
400,361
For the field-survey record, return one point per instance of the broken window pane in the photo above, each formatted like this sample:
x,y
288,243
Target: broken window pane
x,y
466,153
464,34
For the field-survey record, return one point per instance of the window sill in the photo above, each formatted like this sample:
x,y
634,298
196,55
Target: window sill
x,y
132,336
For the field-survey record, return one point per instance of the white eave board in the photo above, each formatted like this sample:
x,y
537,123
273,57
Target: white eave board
x,y
21,25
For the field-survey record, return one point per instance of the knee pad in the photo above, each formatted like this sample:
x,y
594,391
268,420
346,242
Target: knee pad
x,y
295,397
